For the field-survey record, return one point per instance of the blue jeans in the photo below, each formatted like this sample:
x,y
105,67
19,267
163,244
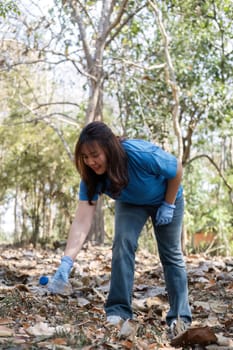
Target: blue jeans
x,y
129,221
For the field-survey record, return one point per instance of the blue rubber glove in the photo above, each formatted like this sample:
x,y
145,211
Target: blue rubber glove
x,y
164,214
61,278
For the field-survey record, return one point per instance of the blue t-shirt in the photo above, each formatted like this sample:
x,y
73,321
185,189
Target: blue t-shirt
x,y
149,168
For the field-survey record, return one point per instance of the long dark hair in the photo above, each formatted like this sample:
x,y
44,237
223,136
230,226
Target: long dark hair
x,y
116,159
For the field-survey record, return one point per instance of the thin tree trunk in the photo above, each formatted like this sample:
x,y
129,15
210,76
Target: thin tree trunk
x,y
16,221
97,232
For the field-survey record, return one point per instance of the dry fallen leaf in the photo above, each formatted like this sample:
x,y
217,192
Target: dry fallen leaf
x,y
41,328
24,303
129,330
6,332
218,307
195,336
6,321
223,341
59,341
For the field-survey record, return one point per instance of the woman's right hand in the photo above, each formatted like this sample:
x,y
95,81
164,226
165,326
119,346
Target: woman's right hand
x,y
78,232
60,281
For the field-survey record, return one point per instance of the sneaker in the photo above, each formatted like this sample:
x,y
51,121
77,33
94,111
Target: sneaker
x,y
178,326
114,319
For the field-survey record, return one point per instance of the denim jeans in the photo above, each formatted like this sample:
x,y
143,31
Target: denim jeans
x,y
129,221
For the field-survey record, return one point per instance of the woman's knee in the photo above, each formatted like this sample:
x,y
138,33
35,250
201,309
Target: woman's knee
x,y
125,242
172,257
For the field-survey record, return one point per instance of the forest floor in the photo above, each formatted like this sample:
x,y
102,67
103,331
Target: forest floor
x,y
32,318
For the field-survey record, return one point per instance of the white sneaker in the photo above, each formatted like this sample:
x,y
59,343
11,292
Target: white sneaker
x,y
178,326
114,319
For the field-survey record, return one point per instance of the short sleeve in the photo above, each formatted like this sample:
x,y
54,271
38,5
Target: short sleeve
x,y
163,163
83,192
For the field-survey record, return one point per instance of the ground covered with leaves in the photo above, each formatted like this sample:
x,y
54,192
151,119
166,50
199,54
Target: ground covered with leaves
x,y
32,318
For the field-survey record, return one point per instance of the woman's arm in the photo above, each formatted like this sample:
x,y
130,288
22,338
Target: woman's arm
x,y
79,229
173,185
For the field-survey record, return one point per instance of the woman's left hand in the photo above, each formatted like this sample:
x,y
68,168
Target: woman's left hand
x,y
164,214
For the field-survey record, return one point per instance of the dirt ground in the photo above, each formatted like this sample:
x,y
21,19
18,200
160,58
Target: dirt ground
x,y
32,318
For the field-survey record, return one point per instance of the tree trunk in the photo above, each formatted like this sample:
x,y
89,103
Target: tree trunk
x,y
106,28
16,221
97,231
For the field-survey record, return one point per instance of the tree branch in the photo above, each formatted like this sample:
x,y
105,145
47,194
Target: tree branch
x,y
78,20
229,187
61,116
170,78
40,105
60,135
118,17
140,66
130,16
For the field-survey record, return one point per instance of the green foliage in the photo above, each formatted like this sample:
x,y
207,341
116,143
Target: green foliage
x,y
201,36
7,7
37,173
207,205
